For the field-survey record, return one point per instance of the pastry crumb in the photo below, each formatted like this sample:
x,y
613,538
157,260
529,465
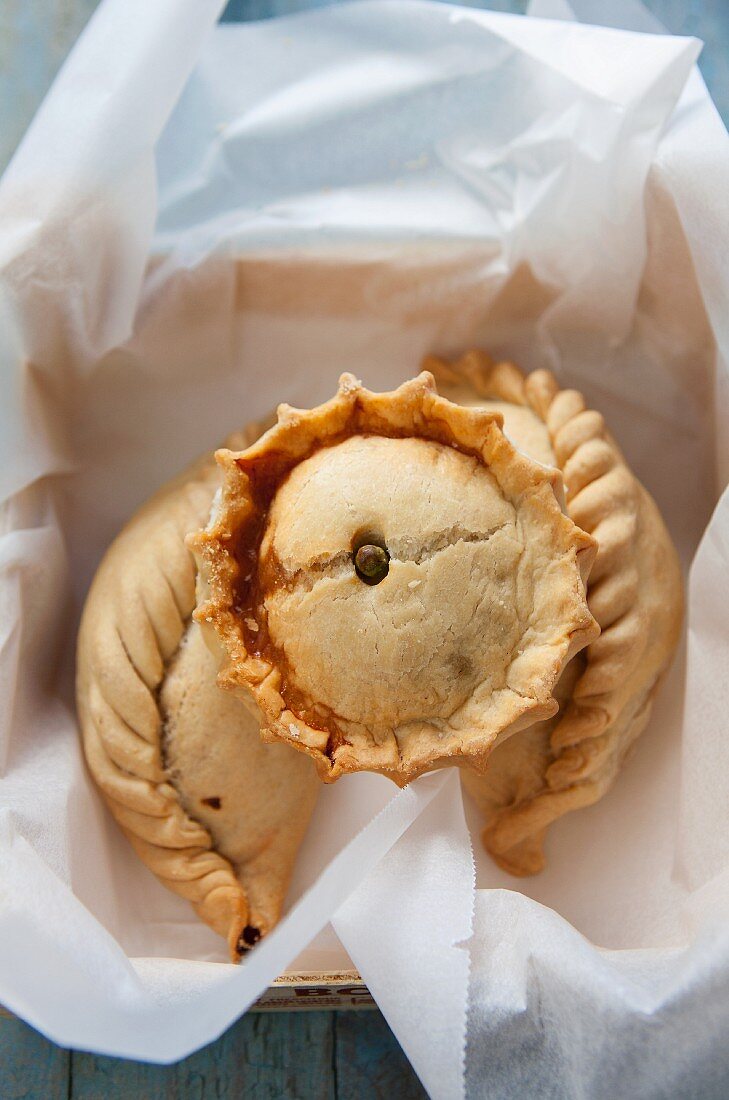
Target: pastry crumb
x,y
251,624
294,731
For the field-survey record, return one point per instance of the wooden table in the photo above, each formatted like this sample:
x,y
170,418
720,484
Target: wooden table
x,y
265,1056
308,1055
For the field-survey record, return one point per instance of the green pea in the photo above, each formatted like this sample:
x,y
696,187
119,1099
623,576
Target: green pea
x,y
372,563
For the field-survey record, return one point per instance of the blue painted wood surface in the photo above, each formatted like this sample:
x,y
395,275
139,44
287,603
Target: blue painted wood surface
x,y
268,1056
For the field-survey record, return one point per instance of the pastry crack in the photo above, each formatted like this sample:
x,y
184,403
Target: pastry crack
x,y
399,548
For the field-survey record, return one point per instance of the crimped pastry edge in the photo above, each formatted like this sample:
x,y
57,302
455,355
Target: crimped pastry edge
x,y
120,670
612,700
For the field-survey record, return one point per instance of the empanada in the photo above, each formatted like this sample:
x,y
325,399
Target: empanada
x,y
216,814
634,591
392,581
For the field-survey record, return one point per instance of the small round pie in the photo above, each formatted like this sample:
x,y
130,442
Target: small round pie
x,y
635,592
394,584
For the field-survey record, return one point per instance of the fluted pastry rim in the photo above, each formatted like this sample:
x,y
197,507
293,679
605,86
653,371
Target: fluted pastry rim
x,y
414,410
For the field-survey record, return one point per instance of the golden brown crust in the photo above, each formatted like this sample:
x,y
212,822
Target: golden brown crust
x,y
255,800
234,558
132,624
635,592
137,613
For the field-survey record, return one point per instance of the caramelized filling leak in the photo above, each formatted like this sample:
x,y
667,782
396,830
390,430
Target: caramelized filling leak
x,y
248,938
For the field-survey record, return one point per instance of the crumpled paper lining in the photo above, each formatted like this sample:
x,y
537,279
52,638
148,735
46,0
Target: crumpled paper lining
x,y
348,191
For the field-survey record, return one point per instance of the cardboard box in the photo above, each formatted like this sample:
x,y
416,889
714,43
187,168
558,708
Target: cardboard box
x,y
295,991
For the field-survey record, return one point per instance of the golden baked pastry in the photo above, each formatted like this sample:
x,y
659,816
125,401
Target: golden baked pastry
x,y
216,814
634,591
394,584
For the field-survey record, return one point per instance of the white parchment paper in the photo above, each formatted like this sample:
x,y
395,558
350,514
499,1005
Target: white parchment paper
x,y
204,221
